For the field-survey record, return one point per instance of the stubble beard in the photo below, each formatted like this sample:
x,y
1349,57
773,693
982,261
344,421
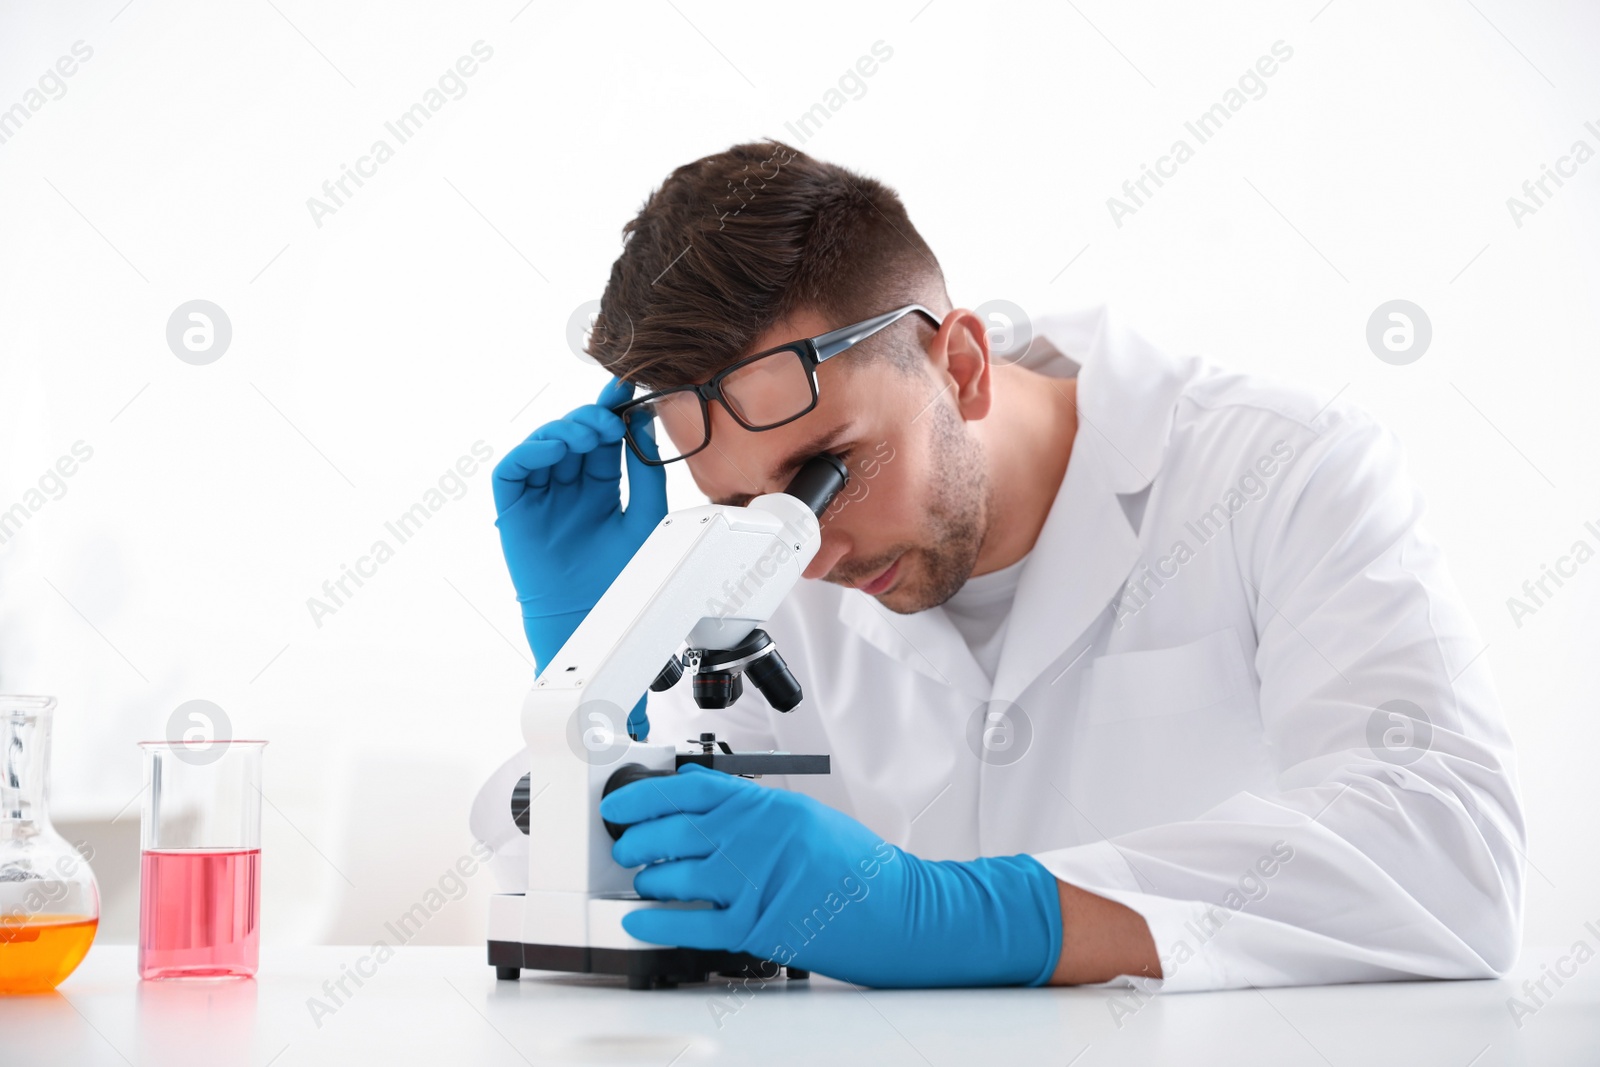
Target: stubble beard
x,y
957,515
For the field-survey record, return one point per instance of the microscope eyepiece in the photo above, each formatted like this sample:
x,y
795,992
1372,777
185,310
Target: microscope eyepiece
x,y
819,481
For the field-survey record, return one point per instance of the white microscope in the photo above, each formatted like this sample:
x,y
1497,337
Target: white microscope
x,y
707,578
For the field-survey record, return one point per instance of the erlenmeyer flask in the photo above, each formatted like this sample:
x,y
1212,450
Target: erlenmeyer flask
x,y
49,900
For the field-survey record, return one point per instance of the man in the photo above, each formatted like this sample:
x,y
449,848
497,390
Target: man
x,y
1130,668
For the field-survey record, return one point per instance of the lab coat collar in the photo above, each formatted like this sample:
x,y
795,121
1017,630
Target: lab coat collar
x,y
1083,554
1127,387
927,642
1126,391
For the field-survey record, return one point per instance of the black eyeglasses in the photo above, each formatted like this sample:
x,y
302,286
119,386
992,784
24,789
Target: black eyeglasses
x,y
761,392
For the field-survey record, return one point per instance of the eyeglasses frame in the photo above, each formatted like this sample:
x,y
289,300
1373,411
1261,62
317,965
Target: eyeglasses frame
x,y
813,351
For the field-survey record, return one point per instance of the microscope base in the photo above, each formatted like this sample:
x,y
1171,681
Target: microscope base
x,y
645,968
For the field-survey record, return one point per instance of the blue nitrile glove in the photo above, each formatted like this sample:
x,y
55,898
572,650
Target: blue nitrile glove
x,y
797,882
558,499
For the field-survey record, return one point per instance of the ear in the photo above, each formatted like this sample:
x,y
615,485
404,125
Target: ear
x,y
960,354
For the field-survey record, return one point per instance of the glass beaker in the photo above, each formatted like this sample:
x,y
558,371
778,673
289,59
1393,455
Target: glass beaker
x,y
200,859
49,900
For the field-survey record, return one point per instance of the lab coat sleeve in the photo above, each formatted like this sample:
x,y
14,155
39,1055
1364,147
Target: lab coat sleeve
x,y
1390,848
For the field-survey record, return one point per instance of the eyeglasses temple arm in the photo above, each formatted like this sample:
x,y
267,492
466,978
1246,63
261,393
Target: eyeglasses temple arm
x,y
835,341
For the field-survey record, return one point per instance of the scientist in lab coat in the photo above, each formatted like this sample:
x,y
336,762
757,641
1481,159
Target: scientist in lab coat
x,y
1157,658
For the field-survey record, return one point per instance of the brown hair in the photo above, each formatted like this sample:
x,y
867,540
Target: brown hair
x,y
737,241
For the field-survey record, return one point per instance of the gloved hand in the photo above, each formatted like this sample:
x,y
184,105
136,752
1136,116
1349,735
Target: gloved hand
x,y
797,882
558,499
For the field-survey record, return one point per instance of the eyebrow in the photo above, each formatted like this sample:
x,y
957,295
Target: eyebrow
x,y
820,443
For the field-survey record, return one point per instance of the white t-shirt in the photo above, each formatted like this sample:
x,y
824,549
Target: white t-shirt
x,y
980,609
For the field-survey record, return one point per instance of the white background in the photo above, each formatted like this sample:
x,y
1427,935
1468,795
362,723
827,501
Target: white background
x,y
430,312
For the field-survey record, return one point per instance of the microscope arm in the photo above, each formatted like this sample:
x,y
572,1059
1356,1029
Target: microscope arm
x,y
708,575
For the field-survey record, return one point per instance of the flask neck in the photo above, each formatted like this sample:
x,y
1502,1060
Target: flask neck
x,y
24,773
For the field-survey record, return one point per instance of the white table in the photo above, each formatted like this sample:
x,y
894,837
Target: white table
x,y
443,1006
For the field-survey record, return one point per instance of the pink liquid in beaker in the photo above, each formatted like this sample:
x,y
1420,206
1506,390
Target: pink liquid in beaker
x,y
199,912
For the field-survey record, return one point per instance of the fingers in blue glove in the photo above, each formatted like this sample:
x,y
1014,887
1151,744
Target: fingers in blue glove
x,y
709,878
671,837
580,441
586,440
615,393
527,466
604,461
694,790
647,482
709,928
555,451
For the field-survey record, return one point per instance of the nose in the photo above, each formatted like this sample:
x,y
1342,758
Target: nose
x,y
833,548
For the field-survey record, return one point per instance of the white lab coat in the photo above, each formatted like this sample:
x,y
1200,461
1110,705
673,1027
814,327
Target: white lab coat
x,y
1195,693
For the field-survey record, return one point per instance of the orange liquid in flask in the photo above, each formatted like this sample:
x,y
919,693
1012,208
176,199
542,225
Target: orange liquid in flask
x,y
38,951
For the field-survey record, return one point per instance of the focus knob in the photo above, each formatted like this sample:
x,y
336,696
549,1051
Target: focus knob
x,y
623,775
